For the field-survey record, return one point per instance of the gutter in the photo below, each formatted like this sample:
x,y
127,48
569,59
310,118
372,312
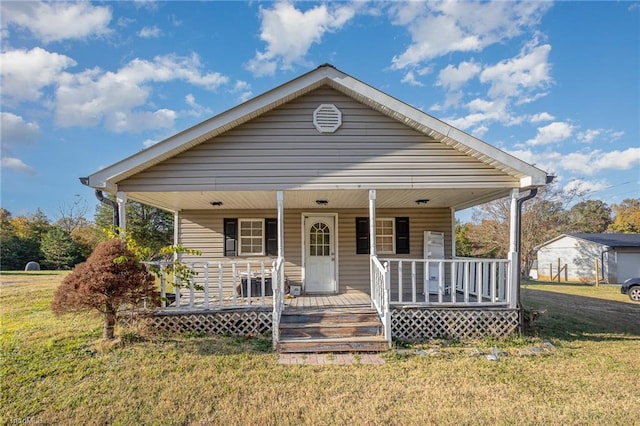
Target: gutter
x,y
104,200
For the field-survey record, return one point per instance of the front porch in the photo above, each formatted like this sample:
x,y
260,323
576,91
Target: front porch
x,y
461,298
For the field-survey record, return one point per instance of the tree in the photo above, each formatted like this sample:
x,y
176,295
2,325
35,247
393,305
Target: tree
x,y
463,242
627,216
110,278
59,250
148,226
542,219
591,216
18,245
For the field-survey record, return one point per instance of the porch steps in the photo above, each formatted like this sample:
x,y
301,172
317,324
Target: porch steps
x,y
331,330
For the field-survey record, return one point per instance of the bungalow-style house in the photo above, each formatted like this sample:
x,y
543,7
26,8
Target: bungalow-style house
x,y
324,210
573,258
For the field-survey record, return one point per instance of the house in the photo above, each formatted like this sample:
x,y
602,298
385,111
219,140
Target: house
x,y
576,255
331,189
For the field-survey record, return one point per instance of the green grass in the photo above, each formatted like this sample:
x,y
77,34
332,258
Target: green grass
x,y
56,370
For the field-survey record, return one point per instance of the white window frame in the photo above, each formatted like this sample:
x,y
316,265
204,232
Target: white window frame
x,y
240,236
393,235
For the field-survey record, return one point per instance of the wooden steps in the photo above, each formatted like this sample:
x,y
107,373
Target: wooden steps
x,y
331,330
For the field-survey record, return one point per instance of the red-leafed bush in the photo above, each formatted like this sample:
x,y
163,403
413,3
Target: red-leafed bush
x,y
111,277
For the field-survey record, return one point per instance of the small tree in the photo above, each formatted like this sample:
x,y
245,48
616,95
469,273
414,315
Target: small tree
x,y
111,277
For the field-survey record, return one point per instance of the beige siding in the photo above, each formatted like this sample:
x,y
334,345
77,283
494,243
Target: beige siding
x,y
203,230
282,150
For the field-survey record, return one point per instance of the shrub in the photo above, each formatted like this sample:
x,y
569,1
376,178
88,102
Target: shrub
x,y
111,277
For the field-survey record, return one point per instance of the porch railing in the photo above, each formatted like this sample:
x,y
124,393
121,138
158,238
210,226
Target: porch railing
x,y
459,281
278,298
380,281
223,284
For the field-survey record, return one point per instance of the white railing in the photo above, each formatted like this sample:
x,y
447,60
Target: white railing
x,y
278,298
380,287
459,281
223,284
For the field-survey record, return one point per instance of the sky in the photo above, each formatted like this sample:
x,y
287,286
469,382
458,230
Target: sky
x,y
85,84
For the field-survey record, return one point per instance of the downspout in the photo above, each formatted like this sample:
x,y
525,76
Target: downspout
x,y
114,206
519,202
105,200
609,250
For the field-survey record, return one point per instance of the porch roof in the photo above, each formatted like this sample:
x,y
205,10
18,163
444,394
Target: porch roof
x,y
525,174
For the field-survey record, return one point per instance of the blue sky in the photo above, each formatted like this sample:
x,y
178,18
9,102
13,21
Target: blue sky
x,y
86,84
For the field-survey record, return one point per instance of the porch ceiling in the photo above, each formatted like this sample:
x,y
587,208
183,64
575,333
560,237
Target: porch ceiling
x,y
336,199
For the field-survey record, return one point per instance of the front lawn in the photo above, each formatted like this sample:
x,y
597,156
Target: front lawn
x,y
58,371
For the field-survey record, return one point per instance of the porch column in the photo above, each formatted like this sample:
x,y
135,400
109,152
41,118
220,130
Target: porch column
x,y
280,201
176,228
514,257
121,198
372,223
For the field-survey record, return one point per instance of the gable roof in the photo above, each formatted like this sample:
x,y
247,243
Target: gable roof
x,y
528,175
610,240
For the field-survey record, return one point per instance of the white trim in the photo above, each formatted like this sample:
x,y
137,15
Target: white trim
x,y
250,219
303,248
393,235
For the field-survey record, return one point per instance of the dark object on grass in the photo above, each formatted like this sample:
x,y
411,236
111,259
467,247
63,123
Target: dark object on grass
x,y
32,266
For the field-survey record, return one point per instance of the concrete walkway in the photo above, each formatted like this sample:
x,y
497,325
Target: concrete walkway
x,y
330,359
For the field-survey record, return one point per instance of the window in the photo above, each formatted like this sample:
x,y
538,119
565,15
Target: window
x,y
385,235
251,236
392,235
319,240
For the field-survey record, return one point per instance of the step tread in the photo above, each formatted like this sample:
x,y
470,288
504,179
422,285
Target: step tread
x,y
294,325
333,339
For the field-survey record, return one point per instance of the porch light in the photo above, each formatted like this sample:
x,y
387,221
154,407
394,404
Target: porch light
x,y
216,203
322,202
422,201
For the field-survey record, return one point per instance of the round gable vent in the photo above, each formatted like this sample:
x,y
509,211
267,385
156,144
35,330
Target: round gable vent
x,y
327,118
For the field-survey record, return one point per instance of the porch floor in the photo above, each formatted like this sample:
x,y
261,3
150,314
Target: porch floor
x,y
350,299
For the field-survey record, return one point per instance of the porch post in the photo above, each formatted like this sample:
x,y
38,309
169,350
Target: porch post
x,y
372,223
176,228
514,257
121,198
280,201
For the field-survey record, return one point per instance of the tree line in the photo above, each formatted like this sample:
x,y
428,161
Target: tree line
x,y
71,238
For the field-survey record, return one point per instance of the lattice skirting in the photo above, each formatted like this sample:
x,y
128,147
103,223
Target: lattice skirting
x,y
422,323
232,323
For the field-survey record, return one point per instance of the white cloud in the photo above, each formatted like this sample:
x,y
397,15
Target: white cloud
x,y
580,186
439,28
93,96
17,165
289,34
243,90
589,135
554,132
16,131
596,161
410,78
196,110
543,116
26,72
453,78
150,32
57,21
515,77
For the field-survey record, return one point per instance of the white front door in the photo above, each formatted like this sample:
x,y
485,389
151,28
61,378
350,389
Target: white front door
x,y
320,254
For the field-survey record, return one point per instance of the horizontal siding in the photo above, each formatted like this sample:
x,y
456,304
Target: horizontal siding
x,y
282,150
203,230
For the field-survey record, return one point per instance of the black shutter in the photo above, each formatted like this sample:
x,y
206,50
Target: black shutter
x,y
230,237
402,235
362,235
271,236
